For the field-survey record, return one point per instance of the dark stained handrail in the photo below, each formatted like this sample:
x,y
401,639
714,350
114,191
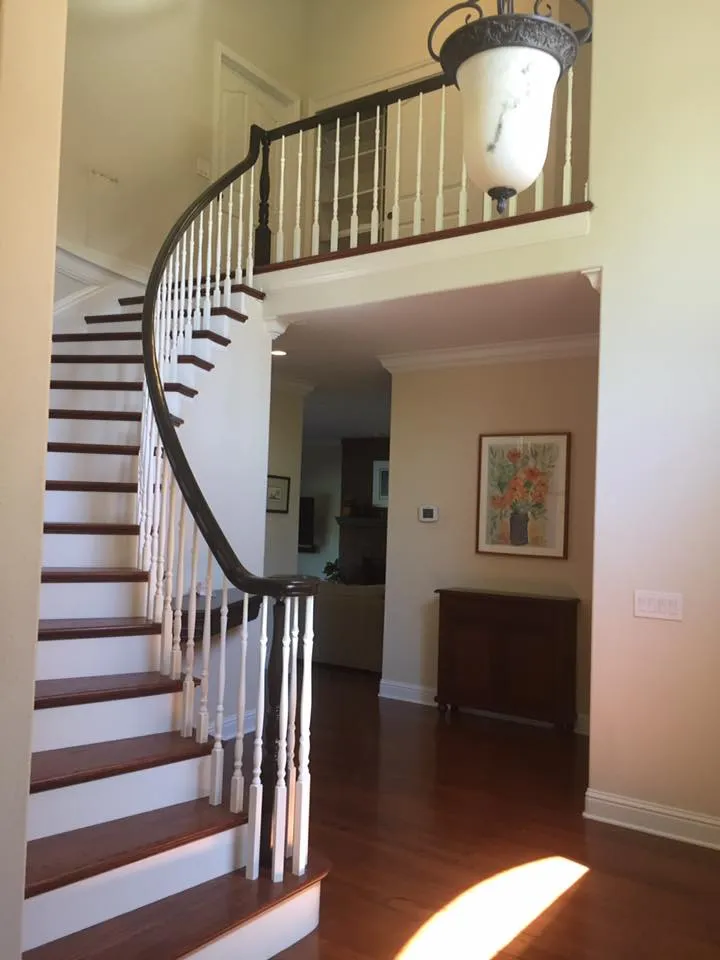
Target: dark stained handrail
x,y
200,509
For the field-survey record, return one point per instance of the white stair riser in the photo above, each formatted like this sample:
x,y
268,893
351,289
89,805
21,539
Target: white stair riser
x,y
93,431
95,371
72,600
96,657
62,506
61,912
95,399
84,804
269,934
103,347
58,727
89,550
91,466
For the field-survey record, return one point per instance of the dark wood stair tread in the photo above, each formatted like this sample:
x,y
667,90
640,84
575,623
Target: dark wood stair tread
x,y
126,416
97,627
109,449
93,575
177,926
212,336
250,291
136,301
51,769
181,388
72,691
65,858
96,358
91,486
228,312
93,529
131,336
113,317
127,386
193,361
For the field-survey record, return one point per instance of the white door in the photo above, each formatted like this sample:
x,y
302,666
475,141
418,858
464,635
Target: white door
x,y
241,101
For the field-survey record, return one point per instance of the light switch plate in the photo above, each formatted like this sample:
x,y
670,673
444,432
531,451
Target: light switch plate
x,y
652,605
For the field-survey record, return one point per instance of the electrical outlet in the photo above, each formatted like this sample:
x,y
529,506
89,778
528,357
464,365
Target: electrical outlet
x,y
651,605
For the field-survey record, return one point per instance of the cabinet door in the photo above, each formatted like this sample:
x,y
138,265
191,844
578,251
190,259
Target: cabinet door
x,y
465,658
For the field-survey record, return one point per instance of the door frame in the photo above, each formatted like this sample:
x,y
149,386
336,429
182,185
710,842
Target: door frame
x,y
224,56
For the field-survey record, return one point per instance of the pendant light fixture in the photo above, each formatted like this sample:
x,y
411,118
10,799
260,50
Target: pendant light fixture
x,y
507,68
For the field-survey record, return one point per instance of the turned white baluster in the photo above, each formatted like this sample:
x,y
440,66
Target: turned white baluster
x,y
250,269
417,206
316,214
203,726
280,807
176,319
217,284
189,682
355,219
487,208
463,198
280,240
540,192
241,231
216,766
292,732
237,784
157,614
395,232
207,280
190,289
255,797
196,291
227,290
375,216
302,795
167,627
335,225
183,298
297,235
153,518
440,199
567,169
512,206
176,657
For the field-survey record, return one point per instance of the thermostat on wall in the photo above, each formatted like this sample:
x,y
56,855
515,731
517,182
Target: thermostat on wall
x,y
428,514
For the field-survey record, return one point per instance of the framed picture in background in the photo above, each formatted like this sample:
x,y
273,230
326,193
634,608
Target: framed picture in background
x,y
523,495
278,495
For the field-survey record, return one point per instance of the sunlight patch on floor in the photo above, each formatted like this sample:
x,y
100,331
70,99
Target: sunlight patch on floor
x,y
487,917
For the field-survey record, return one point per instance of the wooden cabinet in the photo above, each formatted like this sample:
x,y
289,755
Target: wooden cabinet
x,y
508,653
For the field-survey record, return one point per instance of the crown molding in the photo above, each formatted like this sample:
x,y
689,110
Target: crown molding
x,y
276,326
521,351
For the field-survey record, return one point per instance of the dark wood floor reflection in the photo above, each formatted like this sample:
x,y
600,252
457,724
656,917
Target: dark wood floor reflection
x,y
413,811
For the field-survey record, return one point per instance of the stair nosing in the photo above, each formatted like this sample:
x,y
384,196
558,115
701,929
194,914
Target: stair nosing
x,y
93,575
90,486
107,449
88,529
98,628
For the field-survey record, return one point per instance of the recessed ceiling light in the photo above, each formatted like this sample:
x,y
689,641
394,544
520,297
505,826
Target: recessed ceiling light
x,y
279,353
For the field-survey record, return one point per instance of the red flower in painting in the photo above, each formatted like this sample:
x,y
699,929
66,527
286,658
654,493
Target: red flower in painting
x,y
514,456
533,474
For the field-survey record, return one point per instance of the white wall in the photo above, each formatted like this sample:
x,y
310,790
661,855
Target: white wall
x,y
437,417
322,480
138,109
284,460
32,41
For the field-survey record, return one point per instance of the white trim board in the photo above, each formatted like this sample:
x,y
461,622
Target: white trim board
x,y
654,818
94,266
520,351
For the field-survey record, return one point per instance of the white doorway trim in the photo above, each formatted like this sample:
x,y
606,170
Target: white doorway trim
x,y
224,56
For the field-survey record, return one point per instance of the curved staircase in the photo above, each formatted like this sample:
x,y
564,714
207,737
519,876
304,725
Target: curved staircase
x,y
139,841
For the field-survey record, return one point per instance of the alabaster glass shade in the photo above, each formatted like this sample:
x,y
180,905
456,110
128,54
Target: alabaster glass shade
x,y
507,95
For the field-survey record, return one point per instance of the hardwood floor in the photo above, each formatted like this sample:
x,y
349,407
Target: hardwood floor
x,y
412,811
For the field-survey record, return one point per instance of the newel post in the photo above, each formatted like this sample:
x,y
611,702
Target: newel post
x,y
271,741
263,236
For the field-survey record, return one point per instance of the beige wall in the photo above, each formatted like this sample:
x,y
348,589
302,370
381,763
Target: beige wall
x,y
139,106
32,40
285,459
437,418
322,480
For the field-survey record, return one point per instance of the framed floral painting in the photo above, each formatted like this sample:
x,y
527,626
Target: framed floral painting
x,y
523,495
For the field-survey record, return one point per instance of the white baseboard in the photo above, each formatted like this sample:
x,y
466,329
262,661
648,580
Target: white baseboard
x,y
230,725
661,821
409,692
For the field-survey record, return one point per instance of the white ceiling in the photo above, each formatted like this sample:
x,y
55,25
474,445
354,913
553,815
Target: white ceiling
x,y
339,347
337,351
